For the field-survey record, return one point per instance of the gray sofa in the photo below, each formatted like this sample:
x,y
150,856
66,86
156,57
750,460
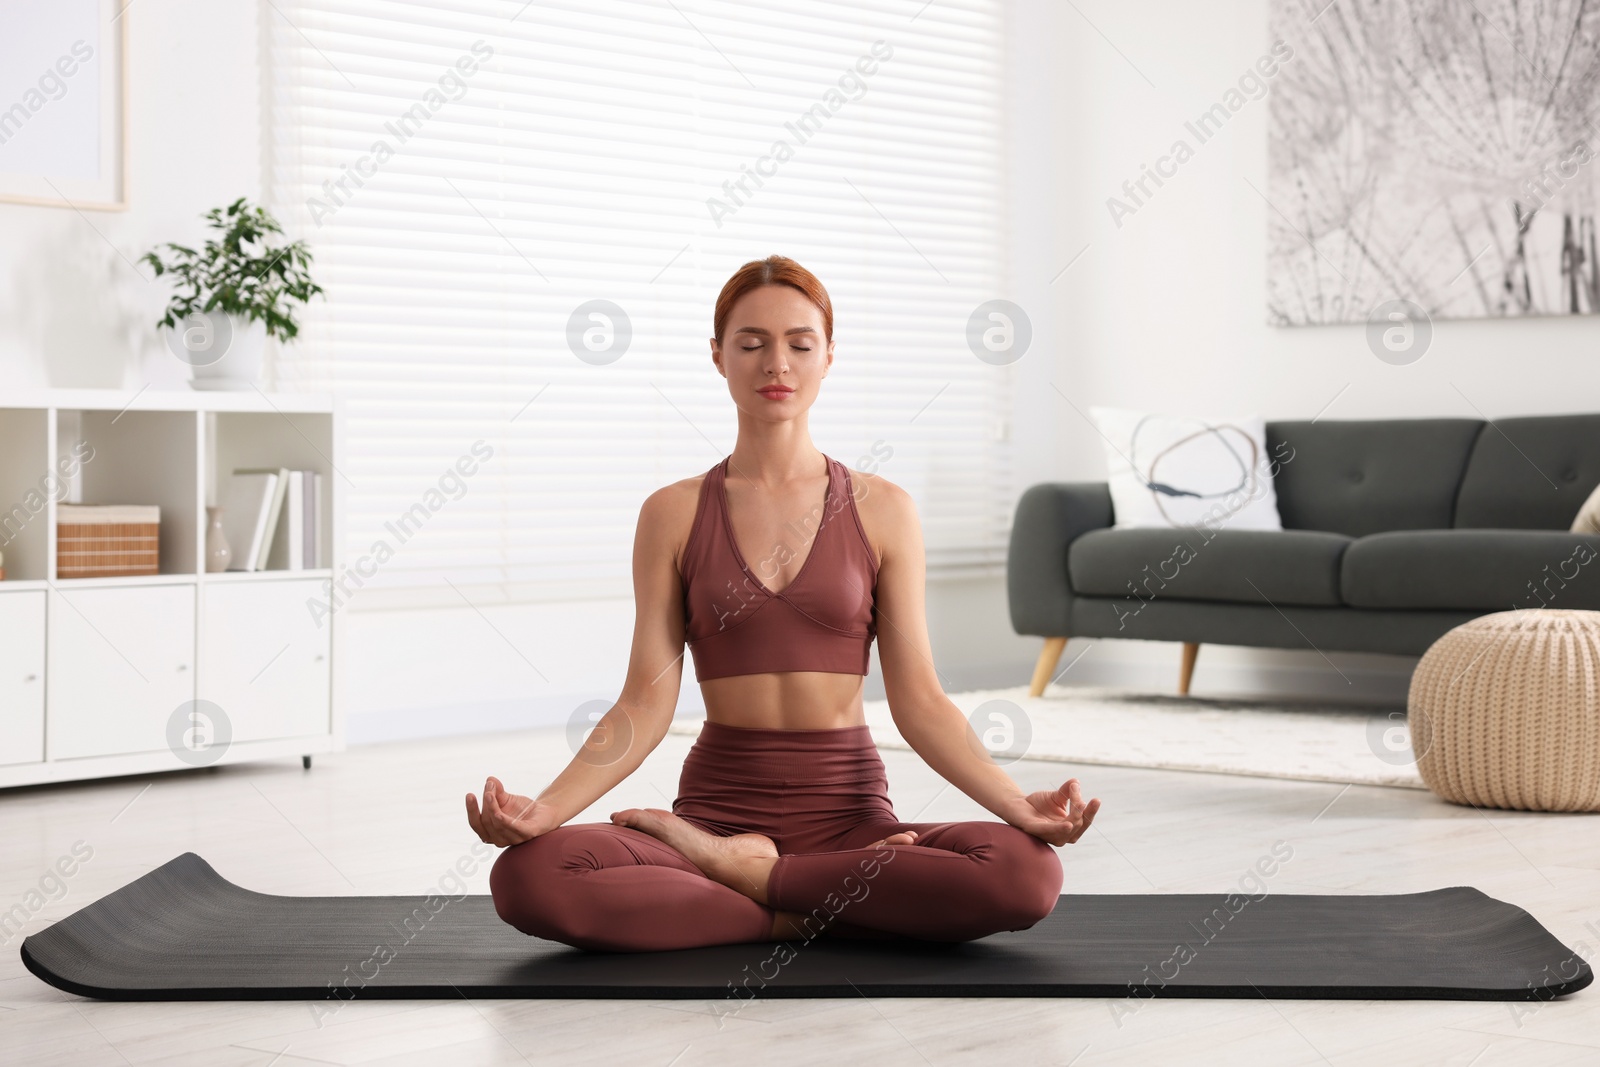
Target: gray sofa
x,y
1395,531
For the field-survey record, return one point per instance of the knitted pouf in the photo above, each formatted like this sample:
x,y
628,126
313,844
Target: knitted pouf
x,y
1505,711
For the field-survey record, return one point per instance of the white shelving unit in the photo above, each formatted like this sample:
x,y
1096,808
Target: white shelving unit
x,y
97,674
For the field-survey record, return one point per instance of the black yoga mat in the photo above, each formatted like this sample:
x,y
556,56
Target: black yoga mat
x,y
183,932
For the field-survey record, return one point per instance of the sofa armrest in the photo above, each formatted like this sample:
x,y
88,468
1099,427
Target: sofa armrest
x,y
1050,516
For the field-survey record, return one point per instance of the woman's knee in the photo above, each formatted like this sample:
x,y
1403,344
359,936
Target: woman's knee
x,y
1029,876
531,882
518,884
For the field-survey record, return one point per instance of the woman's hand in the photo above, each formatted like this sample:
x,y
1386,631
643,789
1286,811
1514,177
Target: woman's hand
x,y
1058,816
508,819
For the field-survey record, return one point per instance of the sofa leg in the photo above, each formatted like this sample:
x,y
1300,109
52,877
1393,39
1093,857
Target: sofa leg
x,y
1191,649
1049,656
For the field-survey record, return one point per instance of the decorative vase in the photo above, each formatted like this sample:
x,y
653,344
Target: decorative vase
x,y
218,552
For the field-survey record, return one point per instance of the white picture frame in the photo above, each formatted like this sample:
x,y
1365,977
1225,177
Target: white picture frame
x,y
63,103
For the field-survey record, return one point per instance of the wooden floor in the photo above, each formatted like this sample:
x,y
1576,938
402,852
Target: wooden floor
x,y
389,819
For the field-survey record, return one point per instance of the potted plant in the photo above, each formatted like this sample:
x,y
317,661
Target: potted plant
x,y
232,295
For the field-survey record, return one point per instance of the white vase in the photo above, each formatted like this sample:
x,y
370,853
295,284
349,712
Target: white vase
x,y
241,342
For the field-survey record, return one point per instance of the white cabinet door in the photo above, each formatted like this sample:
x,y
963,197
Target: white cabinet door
x,y
121,664
21,677
264,659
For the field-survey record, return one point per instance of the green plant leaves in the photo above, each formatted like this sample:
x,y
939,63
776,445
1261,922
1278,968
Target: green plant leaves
x,y
241,271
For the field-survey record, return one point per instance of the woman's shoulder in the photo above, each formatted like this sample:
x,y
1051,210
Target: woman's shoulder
x,y
674,501
668,513
878,495
887,512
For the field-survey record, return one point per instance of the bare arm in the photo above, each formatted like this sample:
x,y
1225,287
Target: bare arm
x,y
637,722
929,721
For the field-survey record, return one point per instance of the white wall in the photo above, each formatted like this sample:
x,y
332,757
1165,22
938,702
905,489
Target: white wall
x,y
75,308
1169,311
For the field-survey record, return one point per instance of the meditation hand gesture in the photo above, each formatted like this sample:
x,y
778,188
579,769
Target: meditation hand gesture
x,y
508,819
1058,816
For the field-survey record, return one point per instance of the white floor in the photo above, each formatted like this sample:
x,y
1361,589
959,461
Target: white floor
x,y
389,819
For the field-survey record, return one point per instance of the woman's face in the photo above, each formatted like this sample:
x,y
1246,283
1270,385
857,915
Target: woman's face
x,y
773,337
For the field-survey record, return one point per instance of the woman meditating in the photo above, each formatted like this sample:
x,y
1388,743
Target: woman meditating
x,y
782,827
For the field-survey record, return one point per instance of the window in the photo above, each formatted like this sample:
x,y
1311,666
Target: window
x,y
470,176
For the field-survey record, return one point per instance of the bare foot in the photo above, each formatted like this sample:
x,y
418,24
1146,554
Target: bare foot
x,y
904,837
742,862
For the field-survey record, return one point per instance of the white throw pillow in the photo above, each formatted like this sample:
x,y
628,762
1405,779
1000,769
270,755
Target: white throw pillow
x,y
1588,518
1179,470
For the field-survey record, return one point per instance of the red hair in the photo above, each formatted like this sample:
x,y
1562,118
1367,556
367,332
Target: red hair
x,y
774,270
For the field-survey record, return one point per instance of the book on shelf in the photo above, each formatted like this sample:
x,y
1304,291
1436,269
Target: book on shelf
x,y
294,521
312,541
290,520
246,502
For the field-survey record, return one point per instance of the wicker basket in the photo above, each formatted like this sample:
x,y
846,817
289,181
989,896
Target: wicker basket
x,y
107,540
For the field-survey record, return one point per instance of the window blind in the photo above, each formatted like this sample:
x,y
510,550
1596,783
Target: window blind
x,y
469,175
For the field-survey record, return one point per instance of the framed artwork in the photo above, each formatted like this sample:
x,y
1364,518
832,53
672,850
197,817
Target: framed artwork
x,y
1438,152
63,103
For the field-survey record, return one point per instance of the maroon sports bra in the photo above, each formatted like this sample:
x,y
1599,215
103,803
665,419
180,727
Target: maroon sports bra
x,y
823,620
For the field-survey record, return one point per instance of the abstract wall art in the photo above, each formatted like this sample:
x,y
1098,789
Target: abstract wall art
x,y
1434,151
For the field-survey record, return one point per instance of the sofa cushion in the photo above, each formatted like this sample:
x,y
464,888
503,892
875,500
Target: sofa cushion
x,y
1286,566
1530,473
1364,476
1475,570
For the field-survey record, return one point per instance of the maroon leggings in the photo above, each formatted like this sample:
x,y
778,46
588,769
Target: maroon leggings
x,y
821,795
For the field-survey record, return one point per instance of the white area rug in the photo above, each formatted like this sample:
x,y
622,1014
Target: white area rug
x,y
1314,742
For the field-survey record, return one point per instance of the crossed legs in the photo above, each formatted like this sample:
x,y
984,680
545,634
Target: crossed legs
x,y
957,882
652,880
607,887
